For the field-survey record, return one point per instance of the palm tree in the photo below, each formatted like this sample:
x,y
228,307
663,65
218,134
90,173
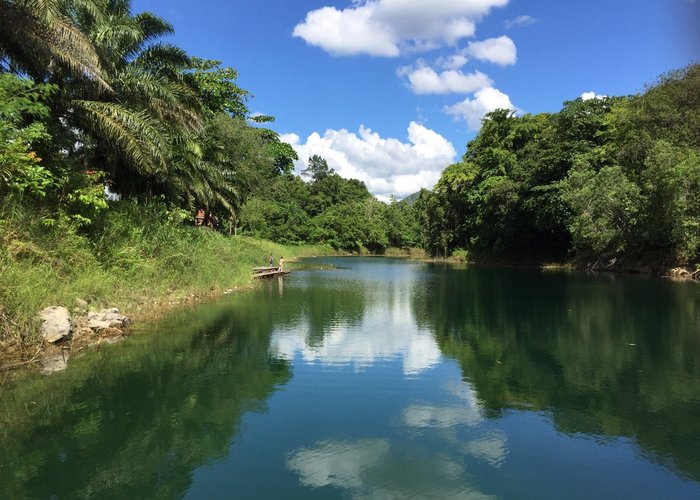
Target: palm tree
x,y
40,38
151,110
134,107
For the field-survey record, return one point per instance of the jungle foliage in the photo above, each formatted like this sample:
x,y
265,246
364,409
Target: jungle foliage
x,y
605,180
90,96
329,209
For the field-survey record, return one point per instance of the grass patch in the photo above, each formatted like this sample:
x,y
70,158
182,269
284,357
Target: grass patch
x,y
134,258
409,253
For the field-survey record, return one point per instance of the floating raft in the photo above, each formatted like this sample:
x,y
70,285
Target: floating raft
x,y
268,272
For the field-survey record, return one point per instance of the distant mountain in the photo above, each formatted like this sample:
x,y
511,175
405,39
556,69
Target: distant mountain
x,y
411,198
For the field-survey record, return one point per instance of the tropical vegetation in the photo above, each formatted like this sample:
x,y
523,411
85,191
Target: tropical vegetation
x,y
607,181
111,139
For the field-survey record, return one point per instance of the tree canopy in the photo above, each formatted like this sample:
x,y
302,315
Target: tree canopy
x,y
113,104
605,180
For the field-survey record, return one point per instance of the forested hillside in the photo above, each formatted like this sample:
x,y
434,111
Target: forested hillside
x,y
605,181
328,209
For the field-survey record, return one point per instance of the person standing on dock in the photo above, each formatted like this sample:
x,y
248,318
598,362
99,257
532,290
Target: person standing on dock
x,y
271,260
281,268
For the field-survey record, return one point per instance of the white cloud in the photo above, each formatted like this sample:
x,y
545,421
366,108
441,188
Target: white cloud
x,y
454,61
425,80
473,110
351,31
587,96
519,22
499,50
391,27
386,165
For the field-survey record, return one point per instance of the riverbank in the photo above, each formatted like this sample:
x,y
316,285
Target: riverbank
x,y
676,271
140,259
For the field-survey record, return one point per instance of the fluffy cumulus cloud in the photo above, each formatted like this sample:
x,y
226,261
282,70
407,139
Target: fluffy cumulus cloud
x,y
391,27
454,61
387,166
351,31
472,110
425,80
499,50
587,96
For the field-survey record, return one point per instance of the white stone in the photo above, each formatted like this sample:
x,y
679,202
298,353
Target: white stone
x,y
56,324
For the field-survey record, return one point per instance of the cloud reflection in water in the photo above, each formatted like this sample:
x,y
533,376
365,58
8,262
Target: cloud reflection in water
x,y
370,468
363,345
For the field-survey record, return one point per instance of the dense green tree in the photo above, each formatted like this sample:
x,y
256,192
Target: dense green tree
x,y
22,109
607,180
436,233
606,205
152,111
217,88
318,168
671,185
327,209
401,220
353,225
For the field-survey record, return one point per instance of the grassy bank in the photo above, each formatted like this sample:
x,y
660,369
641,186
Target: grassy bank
x,y
133,257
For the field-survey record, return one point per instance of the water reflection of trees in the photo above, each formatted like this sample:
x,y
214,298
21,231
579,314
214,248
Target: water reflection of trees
x,y
603,355
136,419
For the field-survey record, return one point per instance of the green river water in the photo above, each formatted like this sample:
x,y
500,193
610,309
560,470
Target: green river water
x,y
379,378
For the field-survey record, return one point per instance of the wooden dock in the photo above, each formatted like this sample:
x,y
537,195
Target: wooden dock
x,y
268,272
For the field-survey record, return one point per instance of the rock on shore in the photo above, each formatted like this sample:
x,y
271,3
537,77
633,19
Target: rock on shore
x,y
107,318
56,324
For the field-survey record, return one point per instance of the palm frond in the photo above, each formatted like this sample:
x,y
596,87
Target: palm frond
x,y
162,57
132,133
115,33
153,26
95,9
172,102
39,29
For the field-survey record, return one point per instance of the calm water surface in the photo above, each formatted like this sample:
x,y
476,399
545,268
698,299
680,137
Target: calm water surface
x,y
379,379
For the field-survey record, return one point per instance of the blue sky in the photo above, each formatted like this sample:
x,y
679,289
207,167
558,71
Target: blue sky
x,y
391,91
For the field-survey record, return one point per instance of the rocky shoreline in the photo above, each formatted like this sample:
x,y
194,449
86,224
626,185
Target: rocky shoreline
x,y
64,333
